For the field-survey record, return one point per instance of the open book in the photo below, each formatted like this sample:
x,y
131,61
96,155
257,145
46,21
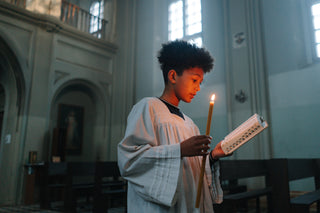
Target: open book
x,y
243,133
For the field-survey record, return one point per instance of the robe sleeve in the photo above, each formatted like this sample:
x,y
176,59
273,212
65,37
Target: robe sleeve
x,y
153,169
216,186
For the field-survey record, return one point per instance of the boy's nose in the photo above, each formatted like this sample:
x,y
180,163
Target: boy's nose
x,y
198,88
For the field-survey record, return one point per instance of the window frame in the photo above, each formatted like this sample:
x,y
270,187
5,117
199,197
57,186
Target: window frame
x,y
311,30
96,25
184,24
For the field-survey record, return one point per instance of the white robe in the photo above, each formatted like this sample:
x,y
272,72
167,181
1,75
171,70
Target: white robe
x,y
159,179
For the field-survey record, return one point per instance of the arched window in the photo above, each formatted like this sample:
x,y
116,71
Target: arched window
x,y
96,11
185,20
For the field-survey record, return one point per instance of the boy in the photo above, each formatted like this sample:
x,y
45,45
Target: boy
x,y
161,152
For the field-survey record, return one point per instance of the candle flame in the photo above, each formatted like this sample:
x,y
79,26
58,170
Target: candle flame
x,y
213,97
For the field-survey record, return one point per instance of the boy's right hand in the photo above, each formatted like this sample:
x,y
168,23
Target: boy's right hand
x,y
195,146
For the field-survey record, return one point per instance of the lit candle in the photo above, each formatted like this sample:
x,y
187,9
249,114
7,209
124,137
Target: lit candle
x,y
203,165
210,114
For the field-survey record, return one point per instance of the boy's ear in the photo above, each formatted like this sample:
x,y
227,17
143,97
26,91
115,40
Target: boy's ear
x,y
172,74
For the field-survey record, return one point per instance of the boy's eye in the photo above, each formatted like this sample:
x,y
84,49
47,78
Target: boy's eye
x,y
195,80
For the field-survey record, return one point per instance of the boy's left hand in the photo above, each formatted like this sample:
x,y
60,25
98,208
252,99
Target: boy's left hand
x,y
217,152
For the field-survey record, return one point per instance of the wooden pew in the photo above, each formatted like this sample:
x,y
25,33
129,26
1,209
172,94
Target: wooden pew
x,y
110,188
98,180
52,183
80,183
285,170
231,170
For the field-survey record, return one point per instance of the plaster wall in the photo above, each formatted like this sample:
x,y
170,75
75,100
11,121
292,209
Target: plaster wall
x,y
293,80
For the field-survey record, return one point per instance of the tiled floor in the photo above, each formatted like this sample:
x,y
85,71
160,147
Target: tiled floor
x,y
36,208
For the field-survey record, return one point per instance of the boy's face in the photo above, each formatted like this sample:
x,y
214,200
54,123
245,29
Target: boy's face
x,y
188,84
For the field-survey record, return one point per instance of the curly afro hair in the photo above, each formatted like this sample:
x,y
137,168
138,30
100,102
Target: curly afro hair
x,y
180,55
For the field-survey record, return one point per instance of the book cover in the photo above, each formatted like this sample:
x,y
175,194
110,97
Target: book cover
x,y
243,133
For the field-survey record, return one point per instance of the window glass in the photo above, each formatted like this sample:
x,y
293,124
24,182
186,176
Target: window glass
x,y
193,17
317,36
315,9
197,41
96,11
175,20
185,21
316,22
315,12
318,50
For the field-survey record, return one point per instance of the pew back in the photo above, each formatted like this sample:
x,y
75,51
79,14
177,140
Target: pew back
x,y
231,169
80,182
110,188
285,170
53,183
234,170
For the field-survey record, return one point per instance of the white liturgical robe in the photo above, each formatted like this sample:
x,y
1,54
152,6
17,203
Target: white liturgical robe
x,y
159,179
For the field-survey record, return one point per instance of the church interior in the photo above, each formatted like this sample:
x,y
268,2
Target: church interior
x,y
71,70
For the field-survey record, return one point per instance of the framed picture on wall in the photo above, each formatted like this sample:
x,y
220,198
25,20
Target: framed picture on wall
x,y
70,122
32,157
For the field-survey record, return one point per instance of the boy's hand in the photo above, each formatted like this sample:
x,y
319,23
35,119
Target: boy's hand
x,y
195,146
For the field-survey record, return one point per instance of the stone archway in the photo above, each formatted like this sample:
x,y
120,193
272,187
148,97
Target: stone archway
x,y
86,97
2,104
13,88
